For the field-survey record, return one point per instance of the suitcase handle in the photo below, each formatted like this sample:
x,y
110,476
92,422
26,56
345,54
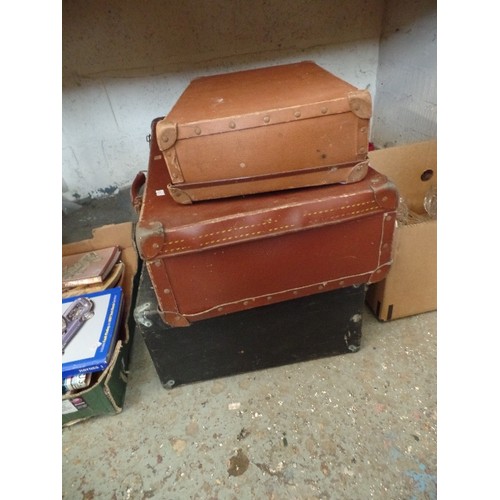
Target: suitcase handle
x,y
137,184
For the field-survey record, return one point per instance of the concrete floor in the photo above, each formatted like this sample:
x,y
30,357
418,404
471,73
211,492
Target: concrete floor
x,y
354,426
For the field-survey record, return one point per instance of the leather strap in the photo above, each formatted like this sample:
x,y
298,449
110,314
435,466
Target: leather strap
x,y
137,184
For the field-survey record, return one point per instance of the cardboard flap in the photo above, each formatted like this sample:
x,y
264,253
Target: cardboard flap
x,y
410,287
104,236
113,234
412,167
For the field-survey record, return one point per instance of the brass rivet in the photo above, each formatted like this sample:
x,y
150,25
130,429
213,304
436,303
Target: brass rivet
x,y
164,137
155,245
157,263
362,150
320,287
245,303
389,218
362,129
384,198
324,110
197,130
267,119
220,309
269,298
341,282
232,124
166,291
174,175
243,165
295,292
385,245
297,114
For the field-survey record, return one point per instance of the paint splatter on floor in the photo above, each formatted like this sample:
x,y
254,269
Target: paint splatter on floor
x,y
238,464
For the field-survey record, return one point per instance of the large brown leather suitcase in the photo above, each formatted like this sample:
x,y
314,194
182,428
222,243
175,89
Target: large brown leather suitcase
x,y
262,130
222,256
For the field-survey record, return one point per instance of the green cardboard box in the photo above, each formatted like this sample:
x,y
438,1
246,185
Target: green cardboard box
x,y
106,394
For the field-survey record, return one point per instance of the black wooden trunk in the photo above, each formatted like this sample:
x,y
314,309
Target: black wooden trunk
x,y
316,326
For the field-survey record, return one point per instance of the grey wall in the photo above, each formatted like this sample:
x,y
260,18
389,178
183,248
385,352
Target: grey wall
x,y
405,108
126,62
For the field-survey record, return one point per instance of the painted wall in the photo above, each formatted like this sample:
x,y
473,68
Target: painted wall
x,y
405,108
126,62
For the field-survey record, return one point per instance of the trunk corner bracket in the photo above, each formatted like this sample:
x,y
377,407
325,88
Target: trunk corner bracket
x,y
141,315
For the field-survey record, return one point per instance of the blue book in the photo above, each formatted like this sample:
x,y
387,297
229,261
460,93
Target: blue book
x,y
90,323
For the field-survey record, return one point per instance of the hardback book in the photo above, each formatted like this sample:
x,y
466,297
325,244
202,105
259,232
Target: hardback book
x,y
90,324
111,280
76,382
88,267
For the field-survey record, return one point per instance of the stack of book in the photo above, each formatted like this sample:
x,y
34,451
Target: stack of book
x,y
91,271
91,314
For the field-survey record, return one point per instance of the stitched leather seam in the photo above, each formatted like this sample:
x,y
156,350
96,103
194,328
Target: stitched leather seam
x,y
222,231
355,212
230,238
178,249
270,230
345,207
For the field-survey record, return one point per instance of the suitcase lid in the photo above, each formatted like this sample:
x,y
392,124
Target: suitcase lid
x,y
258,97
166,228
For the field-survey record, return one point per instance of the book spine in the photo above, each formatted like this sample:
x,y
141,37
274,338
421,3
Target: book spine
x,y
76,382
86,369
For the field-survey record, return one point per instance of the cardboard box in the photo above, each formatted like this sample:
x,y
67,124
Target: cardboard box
x,y
411,285
106,394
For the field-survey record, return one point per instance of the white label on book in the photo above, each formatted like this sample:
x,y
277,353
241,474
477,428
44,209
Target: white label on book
x,y
68,407
160,192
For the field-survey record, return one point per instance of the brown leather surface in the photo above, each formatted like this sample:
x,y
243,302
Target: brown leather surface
x,y
221,256
280,119
342,174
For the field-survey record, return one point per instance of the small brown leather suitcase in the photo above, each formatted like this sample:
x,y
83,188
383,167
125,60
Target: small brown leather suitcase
x,y
262,130
223,256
